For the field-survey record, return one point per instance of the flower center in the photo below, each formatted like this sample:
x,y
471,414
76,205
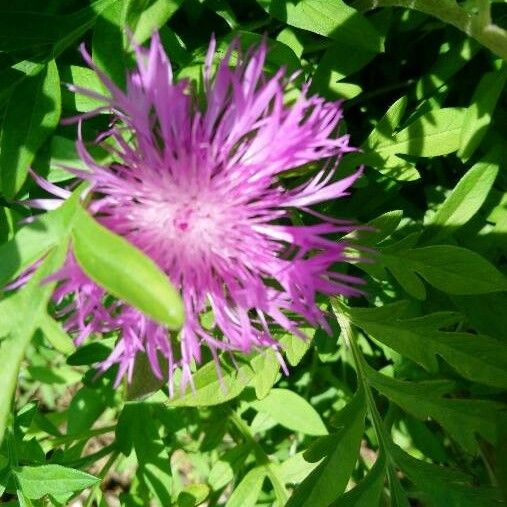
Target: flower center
x,y
182,218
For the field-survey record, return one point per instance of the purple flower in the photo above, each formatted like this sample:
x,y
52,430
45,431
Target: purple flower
x,y
196,187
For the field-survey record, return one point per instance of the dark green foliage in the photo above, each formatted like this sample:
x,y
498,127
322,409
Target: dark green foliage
x,y
405,403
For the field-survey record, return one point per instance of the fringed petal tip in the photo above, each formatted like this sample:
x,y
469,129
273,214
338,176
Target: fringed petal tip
x,y
195,186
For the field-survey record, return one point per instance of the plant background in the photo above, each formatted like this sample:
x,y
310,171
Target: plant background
x,y
405,403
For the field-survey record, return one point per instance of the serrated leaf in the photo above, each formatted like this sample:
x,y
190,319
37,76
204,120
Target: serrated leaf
x,y
408,280
291,411
456,270
451,269
125,272
476,357
485,313
444,486
35,482
463,419
31,115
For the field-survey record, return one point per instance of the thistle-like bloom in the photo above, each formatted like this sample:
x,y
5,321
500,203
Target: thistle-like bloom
x,y
196,187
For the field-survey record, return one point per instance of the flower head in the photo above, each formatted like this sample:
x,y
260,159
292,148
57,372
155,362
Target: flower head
x,y
196,187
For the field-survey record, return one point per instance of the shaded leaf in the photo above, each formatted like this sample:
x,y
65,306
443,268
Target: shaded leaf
x,y
463,419
476,357
331,18
477,118
466,198
32,113
339,451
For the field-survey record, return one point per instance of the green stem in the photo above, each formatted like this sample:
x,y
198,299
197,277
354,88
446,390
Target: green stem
x,y
350,336
102,474
477,26
262,458
67,439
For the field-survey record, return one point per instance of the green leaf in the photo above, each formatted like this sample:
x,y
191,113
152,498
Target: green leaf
x,y
35,482
368,492
23,500
16,330
209,389
266,368
383,226
125,272
466,198
108,42
463,419
477,118
295,469
340,451
383,134
476,357
247,492
32,113
339,61
193,495
432,134
34,240
55,334
22,30
151,19
331,18
136,429
451,269
84,78
448,63
144,382
386,126
485,313
90,353
85,408
456,270
444,487
292,411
